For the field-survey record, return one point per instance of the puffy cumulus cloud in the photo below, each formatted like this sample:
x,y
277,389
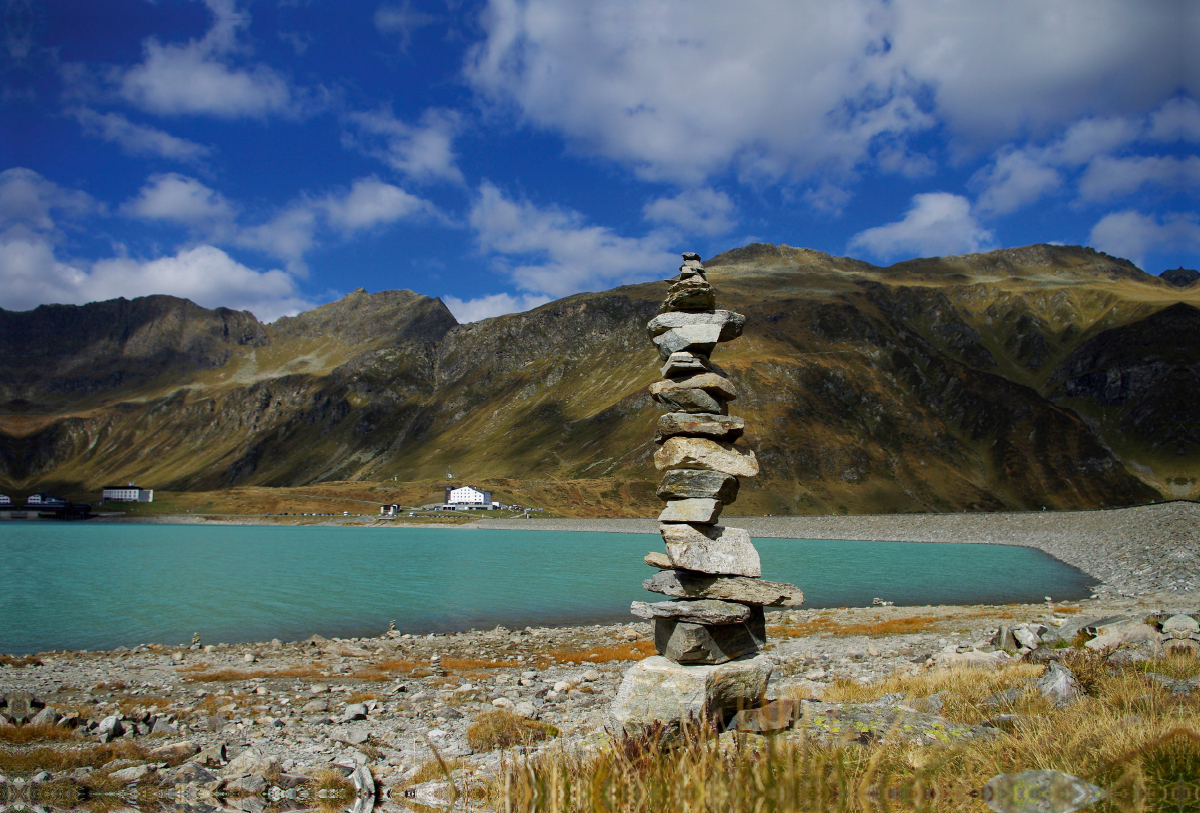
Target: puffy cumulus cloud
x,y
553,251
29,201
371,202
694,211
1132,235
485,307
200,78
1110,177
204,274
1177,120
180,199
422,151
289,233
937,223
32,273
137,139
1014,179
1096,153
684,89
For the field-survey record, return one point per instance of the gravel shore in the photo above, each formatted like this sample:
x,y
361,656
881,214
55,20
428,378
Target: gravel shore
x,y
1138,551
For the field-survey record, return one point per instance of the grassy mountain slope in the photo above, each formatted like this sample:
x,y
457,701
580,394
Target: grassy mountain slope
x,y
941,384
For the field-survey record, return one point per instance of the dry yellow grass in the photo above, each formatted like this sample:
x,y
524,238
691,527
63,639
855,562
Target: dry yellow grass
x,y
504,729
633,651
1128,736
230,675
27,734
826,624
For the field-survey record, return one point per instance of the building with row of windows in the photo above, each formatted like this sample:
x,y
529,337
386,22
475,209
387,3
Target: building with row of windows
x,y
468,497
129,493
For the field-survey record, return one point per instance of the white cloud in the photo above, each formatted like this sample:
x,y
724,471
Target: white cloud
x,y
1110,177
423,152
1132,235
32,273
485,307
937,223
137,139
1177,120
197,78
29,200
1013,180
554,251
289,233
371,202
180,199
695,211
402,20
684,89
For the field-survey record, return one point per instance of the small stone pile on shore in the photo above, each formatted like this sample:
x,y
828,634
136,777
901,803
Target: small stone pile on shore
x,y
708,638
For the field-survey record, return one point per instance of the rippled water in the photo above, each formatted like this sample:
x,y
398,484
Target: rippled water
x,y
92,586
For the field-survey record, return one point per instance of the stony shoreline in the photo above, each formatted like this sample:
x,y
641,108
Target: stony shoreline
x,y
1130,551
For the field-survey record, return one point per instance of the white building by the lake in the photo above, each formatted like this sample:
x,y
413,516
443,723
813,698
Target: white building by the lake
x,y
468,497
129,493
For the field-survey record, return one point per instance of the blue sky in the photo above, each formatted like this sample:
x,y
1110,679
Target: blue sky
x,y
276,154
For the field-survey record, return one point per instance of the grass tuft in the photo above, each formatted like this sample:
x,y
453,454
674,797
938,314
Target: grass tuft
x,y
504,729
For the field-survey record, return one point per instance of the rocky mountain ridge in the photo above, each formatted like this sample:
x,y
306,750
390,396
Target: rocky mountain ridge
x,y
1041,375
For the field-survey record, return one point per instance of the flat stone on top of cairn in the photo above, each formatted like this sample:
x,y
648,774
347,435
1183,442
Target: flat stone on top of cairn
x,y
710,636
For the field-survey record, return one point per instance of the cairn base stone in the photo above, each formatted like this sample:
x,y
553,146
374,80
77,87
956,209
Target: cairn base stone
x,y
657,691
687,642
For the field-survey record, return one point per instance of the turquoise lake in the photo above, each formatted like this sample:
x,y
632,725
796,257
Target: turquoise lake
x,y
80,586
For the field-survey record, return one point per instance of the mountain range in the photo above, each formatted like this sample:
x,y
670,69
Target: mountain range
x,y
1042,376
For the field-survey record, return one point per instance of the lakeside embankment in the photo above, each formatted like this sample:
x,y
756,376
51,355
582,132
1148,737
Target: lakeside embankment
x,y
1131,551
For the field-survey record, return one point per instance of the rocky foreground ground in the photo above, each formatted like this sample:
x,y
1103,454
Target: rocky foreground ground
x,y
249,710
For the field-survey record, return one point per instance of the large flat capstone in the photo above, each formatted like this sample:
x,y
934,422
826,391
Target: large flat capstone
x,y
711,549
686,584
731,323
696,611
656,690
702,453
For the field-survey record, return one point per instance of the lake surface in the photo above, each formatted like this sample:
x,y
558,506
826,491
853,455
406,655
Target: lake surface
x,y
90,586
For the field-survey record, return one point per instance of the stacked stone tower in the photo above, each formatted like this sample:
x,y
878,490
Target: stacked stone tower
x,y
709,634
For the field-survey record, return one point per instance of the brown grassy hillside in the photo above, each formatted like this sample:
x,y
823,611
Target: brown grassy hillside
x,y
958,383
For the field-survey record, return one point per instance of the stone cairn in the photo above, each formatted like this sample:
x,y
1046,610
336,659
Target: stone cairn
x,y
710,633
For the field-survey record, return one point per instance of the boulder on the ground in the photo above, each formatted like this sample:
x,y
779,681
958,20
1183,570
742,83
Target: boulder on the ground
x,y
658,693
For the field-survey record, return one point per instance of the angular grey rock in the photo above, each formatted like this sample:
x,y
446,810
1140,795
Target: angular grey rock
x,y
46,716
250,761
697,510
686,642
355,711
211,757
134,773
1026,638
655,690
717,385
692,294
730,323
698,339
714,549
692,400
684,363
1132,633
252,784
1059,685
110,728
684,484
697,611
685,584
702,453
1180,627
